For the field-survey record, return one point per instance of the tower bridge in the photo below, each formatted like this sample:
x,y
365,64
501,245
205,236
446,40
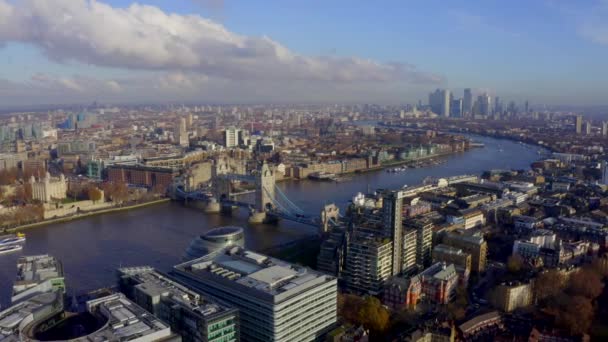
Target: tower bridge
x,y
270,203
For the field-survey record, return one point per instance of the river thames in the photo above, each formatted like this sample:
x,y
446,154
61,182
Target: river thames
x,y
92,248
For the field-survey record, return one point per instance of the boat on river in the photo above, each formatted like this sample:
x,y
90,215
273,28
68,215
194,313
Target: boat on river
x,y
10,248
12,239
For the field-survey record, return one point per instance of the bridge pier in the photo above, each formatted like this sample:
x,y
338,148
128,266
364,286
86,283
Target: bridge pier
x,y
257,217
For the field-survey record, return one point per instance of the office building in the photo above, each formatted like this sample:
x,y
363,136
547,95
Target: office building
x,y
48,189
579,124
588,128
231,137
439,101
16,318
37,274
194,317
484,103
467,102
456,108
368,264
126,321
471,244
214,241
277,301
181,133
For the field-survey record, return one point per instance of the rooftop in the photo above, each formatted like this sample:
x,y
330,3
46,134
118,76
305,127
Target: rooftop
x,y
255,272
156,284
126,320
12,318
32,270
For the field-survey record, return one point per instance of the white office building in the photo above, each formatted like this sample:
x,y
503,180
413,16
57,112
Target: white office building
x,y
277,301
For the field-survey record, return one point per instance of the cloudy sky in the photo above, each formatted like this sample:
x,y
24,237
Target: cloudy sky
x,y
314,51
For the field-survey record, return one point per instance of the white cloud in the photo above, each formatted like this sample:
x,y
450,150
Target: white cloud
x,y
145,37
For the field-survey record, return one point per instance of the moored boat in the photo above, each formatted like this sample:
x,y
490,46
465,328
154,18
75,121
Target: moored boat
x,y
10,248
12,239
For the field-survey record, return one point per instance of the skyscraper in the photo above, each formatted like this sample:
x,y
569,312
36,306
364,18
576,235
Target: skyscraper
x,y
181,133
467,102
445,103
604,128
456,108
485,104
579,124
588,127
392,206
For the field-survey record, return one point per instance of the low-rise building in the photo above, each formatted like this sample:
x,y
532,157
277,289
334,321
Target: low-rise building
x,y
512,296
37,274
472,244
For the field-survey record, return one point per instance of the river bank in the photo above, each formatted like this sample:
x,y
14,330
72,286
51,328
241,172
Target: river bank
x,y
85,215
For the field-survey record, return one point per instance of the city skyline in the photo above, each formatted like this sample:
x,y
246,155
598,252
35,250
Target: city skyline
x,y
77,51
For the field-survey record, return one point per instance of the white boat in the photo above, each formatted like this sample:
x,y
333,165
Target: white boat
x,y
10,248
12,239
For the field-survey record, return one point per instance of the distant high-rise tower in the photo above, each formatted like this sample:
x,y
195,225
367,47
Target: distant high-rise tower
x,y
579,124
485,104
467,102
605,128
588,127
527,107
456,108
445,103
181,133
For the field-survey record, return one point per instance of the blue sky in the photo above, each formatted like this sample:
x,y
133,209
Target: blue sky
x,y
552,52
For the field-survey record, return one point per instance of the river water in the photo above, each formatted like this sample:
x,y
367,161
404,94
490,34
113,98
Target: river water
x,y
92,248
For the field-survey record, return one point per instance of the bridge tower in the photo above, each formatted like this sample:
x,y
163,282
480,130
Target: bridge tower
x,y
264,193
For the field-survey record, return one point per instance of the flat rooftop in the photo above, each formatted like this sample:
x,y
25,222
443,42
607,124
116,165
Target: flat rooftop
x,y
126,321
155,283
12,317
255,272
35,269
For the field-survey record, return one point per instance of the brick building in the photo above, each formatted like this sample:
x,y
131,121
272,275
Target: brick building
x,y
141,175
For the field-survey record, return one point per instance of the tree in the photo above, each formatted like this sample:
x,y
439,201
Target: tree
x,y
586,283
515,264
549,284
94,194
8,176
117,191
574,314
373,315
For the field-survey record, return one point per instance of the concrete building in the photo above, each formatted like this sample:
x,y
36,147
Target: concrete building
x,y
472,244
126,321
509,297
579,124
47,189
181,133
195,318
392,215
368,264
35,275
277,301
467,102
15,318
231,137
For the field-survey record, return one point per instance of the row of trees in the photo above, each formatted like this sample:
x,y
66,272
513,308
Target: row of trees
x,y
22,215
10,176
570,300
